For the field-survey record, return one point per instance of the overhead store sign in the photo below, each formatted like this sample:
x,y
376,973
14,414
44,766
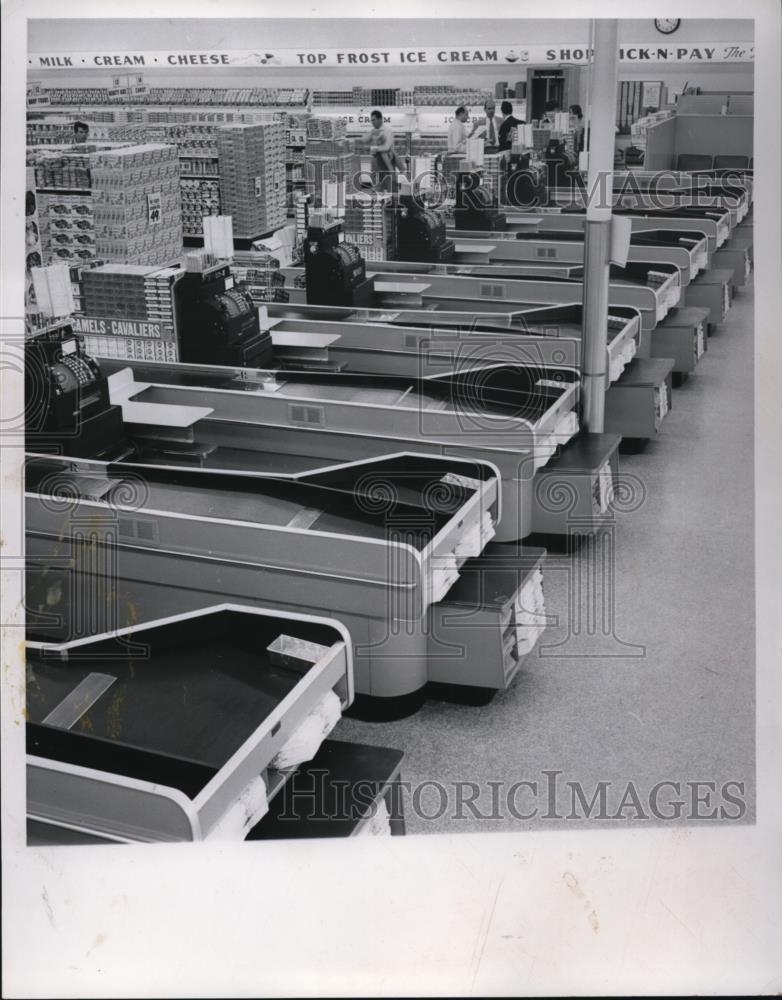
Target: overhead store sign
x,y
498,55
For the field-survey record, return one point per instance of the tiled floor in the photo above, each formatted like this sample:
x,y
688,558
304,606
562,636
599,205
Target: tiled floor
x,y
681,707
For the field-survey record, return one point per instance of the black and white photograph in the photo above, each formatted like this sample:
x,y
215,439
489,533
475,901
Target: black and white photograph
x,y
390,449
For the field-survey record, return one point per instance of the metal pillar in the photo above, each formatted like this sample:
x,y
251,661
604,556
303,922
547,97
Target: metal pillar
x,y
597,236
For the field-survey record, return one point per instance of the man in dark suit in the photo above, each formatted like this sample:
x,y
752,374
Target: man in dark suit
x,y
508,123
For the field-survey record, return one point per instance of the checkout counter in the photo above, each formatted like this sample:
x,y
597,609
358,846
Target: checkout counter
x,y
549,336
200,504
726,248
704,193
512,417
653,289
540,246
181,729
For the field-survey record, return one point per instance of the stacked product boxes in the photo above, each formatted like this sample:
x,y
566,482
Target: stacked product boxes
x,y
330,156
199,167
325,128
541,136
322,98
252,177
260,96
448,96
115,290
492,174
200,197
331,160
128,312
136,203
198,162
324,169
301,207
370,224
77,281
49,130
62,169
258,274
363,97
67,227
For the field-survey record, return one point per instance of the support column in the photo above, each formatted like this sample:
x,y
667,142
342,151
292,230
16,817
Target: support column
x,y
597,237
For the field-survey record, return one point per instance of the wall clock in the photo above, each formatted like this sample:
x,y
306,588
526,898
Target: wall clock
x,y
667,25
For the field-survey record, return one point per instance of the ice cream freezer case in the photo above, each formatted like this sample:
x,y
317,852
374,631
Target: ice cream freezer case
x,y
512,417
180,729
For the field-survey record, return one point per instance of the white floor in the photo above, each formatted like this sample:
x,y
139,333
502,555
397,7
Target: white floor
x,y
669,696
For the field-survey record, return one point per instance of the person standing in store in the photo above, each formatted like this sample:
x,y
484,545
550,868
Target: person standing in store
x,y
81,131
507,125
488,127
457,131
577,122
385,162
552,107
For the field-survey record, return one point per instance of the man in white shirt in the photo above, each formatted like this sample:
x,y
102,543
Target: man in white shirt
x,y
489,128
457,131
384,159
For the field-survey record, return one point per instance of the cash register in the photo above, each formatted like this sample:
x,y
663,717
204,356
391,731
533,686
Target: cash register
x,y
476,205
524,181
559,164
67,404
421,233
218,323
335,270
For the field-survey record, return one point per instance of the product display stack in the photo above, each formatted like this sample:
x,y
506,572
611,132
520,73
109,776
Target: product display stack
x,y
138,216
199,177
329,155
63,188
258,274
252,177
49,131
77,272
127,311
493,173
370,225
449,96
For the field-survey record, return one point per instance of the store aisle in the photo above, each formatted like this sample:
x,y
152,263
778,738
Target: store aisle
x,y
670,696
